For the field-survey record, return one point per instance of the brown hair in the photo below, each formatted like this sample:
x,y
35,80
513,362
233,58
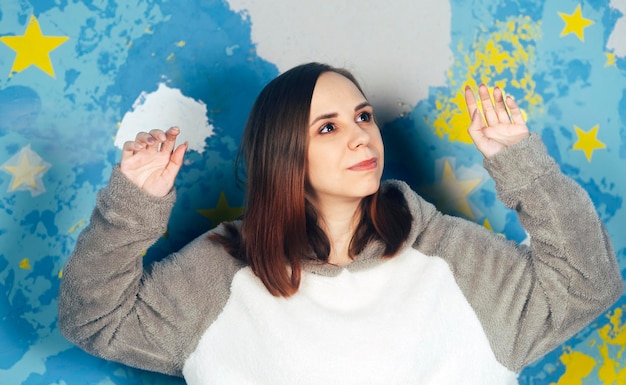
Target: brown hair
x,y
280,227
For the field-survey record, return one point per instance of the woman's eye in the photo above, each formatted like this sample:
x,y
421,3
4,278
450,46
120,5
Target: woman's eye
x,y
326,128
364,117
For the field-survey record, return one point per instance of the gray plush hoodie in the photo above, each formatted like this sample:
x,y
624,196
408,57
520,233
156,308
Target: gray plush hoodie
x,y
457,304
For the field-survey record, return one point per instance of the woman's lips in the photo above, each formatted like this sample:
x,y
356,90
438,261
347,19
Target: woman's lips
x,y
365,165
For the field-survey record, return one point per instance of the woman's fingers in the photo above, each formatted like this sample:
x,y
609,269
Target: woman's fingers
x,y
146,142
477,132
176,160
153,141
155,138
170,139
498,98
488,109
501,110
158,135
470,101
476,126
516,112
129,148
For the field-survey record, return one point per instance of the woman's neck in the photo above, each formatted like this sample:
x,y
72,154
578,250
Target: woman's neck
x,y
339,223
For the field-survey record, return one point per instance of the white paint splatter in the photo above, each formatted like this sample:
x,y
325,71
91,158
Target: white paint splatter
x,y
231,50
397,49
164,108
617,39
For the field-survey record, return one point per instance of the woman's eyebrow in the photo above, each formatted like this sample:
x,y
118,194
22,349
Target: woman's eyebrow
x,y
334,114
324,116
362,105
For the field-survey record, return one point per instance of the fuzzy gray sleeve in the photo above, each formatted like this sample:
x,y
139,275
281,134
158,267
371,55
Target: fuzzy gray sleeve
x,y
112,308
531,299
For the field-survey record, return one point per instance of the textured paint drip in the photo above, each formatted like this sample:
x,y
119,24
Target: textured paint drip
x,y
502,58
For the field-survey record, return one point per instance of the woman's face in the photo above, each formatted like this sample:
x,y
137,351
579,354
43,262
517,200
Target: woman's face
x,y
345,156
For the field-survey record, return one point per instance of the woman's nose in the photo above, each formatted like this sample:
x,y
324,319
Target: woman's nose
x,y
359,137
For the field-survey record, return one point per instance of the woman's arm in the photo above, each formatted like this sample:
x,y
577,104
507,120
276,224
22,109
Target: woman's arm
x,y
106,305
100,305
531,298
113,308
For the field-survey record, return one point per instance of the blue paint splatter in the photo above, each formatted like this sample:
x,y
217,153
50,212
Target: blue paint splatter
x,y
16,334
45,217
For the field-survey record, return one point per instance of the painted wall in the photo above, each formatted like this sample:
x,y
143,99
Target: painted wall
x,y
79,78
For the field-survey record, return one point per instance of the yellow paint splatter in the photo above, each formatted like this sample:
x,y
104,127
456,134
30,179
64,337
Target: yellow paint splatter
x,y
78,225
610,59
60,275
170,56
578,365
615,331
487,224
25,264
501,58
610,368
613,336
181,43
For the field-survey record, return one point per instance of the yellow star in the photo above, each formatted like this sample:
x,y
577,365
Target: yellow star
x,y
27,172
575,23
451,193
33,48
222,212
587,141
610,59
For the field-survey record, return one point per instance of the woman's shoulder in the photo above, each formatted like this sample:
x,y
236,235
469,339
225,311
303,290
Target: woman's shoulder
x,y
202,262
217,245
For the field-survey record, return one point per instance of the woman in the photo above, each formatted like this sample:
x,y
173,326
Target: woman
x,y
332,277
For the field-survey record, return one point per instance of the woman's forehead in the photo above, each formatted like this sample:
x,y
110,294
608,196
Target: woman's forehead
x,y
332,88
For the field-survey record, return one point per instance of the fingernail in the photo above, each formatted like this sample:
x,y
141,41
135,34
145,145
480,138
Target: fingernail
x,y
150,139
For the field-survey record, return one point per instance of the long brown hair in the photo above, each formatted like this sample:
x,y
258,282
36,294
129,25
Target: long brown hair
x,y
280,227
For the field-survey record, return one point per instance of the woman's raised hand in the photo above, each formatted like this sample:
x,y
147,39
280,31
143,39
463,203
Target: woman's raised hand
x,y
151,162
500,127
